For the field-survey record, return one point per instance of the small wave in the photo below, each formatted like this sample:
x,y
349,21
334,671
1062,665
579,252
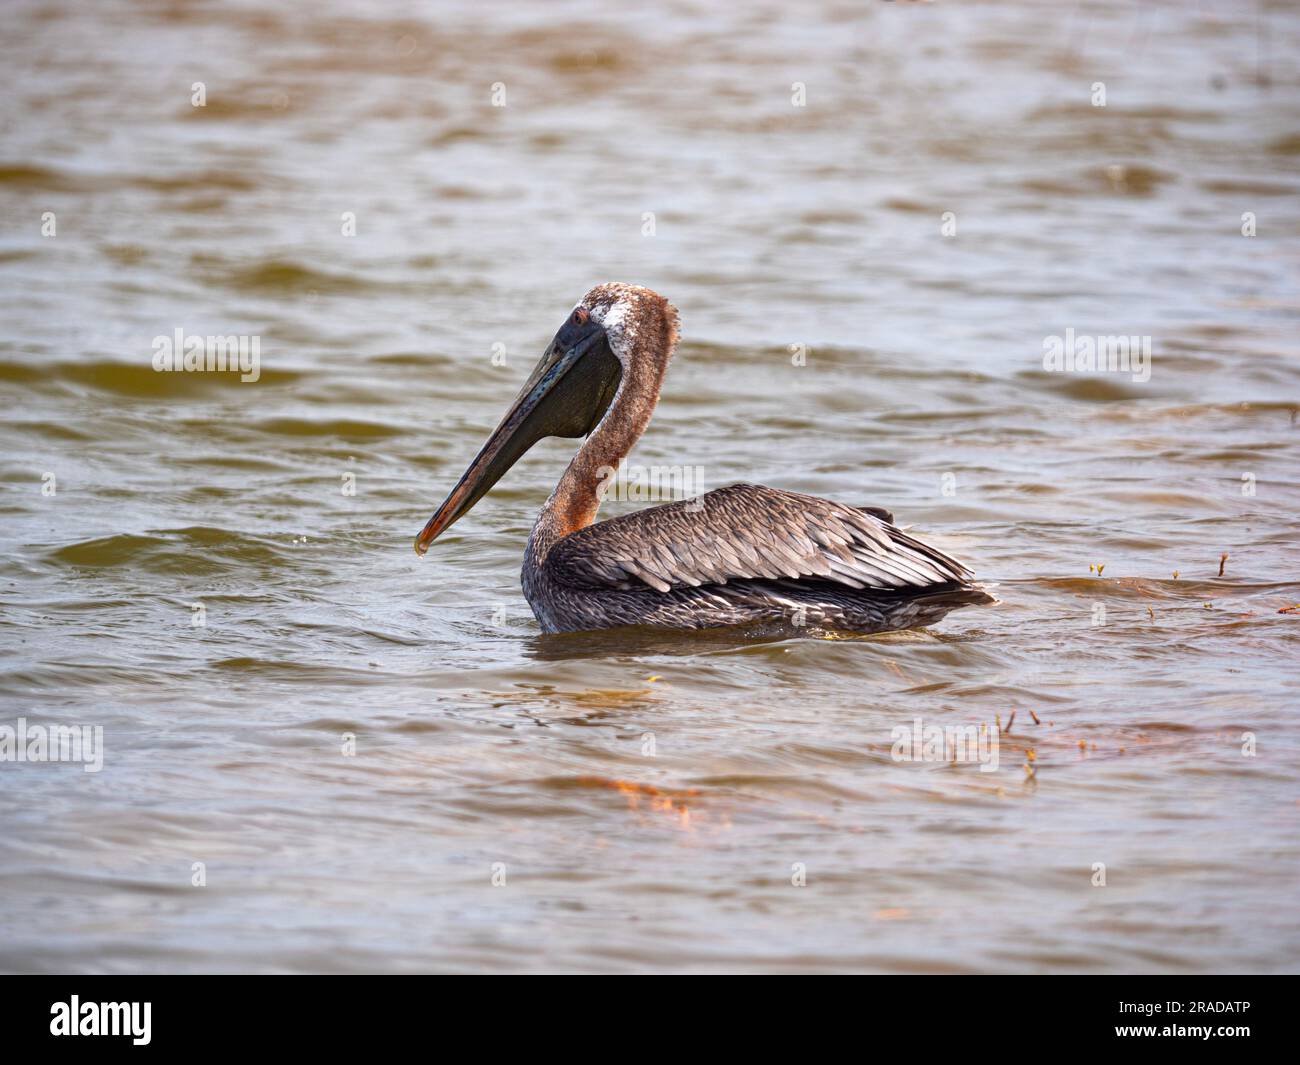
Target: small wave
x,y
279,277
1115,179
130,379
195,550
1084,388
44,179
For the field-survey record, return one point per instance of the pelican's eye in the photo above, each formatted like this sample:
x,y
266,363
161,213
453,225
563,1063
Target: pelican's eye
x,y
581,315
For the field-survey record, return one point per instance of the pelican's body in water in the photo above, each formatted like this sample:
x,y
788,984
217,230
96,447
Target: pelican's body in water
x,y
739,555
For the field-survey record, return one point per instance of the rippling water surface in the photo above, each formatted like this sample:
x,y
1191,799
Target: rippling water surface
x,y
648,800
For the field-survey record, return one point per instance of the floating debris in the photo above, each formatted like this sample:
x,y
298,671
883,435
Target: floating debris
x,y
1175,575
1010,721
1223,558
1036,721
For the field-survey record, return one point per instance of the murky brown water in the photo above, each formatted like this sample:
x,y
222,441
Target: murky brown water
x,y
649,800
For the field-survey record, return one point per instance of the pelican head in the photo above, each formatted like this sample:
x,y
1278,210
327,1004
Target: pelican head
x,y
567,394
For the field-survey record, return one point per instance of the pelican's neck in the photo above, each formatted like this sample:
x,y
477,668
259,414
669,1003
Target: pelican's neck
x,y
576,499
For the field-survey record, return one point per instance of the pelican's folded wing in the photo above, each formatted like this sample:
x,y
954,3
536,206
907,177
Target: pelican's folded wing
x,y
746,531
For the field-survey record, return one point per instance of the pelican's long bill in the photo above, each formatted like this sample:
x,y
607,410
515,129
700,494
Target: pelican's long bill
x,y
566,395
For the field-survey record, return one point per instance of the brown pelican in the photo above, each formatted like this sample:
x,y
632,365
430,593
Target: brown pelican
x,y
738,555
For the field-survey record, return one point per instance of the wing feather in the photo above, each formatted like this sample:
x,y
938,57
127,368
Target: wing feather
x,y
744,532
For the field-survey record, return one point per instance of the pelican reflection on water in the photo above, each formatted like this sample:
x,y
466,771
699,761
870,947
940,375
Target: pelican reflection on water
x,y
739,555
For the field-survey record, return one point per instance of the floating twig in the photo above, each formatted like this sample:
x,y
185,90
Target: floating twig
x,y
1222,559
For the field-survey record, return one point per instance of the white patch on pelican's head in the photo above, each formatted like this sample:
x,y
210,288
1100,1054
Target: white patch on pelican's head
x,y
620,310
